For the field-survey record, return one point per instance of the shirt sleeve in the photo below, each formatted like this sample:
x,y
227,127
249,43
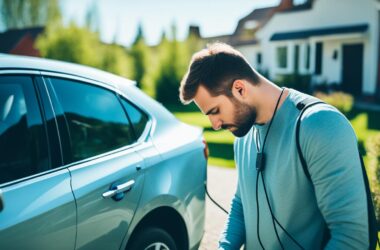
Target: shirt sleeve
x,y
330,148
233,235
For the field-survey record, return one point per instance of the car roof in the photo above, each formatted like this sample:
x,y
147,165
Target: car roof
x,y
13,62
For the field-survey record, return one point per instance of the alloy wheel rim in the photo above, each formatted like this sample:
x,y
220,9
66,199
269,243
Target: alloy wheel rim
x,y
157,246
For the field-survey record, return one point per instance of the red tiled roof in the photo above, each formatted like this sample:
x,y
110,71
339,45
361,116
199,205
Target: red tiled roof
x,y
11,38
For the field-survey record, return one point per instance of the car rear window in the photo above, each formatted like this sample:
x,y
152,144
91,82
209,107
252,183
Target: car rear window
x,y
138,119
96,119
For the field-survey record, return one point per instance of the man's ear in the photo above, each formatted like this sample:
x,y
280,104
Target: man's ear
x,y
239,89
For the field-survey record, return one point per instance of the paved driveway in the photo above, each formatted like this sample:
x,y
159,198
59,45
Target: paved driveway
x,y
221,184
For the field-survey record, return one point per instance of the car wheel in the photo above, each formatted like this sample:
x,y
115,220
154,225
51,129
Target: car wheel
x,y
153,238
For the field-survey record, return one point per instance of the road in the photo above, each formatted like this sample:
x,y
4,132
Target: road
x,y
221,184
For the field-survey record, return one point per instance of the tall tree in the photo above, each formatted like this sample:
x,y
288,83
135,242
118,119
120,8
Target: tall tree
x,y
71,44
169,75
138,53
29,13
92,17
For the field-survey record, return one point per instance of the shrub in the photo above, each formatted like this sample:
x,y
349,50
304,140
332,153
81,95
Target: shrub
x,y
342,101
295,81
373,170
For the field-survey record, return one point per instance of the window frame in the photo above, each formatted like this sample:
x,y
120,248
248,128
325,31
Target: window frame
x,y
65,76
144,134
286,60
318,63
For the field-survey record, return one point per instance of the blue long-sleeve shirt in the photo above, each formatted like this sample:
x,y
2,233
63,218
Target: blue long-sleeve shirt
x,y
335,197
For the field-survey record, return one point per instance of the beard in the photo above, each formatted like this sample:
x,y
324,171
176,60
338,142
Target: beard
x,y
245,117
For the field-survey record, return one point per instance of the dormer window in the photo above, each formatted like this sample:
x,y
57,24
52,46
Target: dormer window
x,y
250,25
299,2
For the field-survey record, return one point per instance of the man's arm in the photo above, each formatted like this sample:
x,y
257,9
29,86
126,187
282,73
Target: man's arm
x,y
330,149
233,236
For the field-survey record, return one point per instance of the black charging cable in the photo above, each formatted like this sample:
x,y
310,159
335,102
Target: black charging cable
x,y
258,210
216,203
275,219
260,166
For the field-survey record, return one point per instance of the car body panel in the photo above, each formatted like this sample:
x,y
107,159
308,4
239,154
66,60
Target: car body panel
x,y
39,213
102,222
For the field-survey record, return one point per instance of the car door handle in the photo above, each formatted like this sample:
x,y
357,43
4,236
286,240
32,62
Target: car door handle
x,y
119,189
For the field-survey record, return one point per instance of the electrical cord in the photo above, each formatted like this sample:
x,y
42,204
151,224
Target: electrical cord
x,y
258,210
275,219
271,212
260,165
224,210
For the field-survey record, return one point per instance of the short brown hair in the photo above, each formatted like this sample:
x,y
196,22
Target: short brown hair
x,y
216,68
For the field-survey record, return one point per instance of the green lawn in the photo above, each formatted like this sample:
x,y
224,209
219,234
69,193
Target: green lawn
x,y
220,142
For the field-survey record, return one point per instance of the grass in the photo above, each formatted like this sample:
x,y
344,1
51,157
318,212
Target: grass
x,y
220,142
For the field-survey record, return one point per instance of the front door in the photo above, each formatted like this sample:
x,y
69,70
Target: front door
x,y
352,78
106,172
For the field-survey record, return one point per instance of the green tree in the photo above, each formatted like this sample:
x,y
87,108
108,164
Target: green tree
x,y
138,53
169,76
92,18
116,60
192,44
71,44
29,13
83,46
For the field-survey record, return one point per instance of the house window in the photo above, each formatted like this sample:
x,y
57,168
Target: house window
x,y
299,2
258,58
282,57
318,58
307,57
296,58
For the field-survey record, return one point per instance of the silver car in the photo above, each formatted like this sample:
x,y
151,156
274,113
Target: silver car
x,y
88,161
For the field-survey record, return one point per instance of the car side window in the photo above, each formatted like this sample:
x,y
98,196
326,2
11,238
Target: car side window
x,y
138,119
23,140
96,120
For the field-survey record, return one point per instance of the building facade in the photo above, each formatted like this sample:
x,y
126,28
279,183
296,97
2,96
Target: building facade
x,y
334,42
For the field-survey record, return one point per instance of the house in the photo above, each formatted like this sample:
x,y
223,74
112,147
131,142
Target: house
x,y
246,28
334,42
20,41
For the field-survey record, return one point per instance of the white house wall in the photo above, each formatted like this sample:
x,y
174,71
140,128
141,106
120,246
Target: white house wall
x,y
332,68
250,52
327,13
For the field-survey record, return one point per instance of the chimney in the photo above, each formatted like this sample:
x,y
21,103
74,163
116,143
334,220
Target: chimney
x,y
195,31
285,5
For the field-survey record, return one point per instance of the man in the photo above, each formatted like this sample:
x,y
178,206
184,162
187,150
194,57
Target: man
x,y
276,206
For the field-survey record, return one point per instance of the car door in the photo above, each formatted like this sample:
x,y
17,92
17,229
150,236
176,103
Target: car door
x,y
107,174
37,207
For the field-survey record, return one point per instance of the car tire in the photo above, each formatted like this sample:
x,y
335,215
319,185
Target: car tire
x,y
152,237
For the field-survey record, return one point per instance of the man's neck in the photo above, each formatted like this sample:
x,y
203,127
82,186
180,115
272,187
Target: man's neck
x,y
267,96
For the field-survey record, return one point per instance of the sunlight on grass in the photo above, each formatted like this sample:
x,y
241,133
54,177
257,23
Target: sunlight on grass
x,y
221,136
360,124
193,118
221,162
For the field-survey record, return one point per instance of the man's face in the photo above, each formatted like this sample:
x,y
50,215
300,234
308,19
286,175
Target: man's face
x,y
226,112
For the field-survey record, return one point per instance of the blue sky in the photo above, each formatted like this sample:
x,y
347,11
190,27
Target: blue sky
x,y
119,18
